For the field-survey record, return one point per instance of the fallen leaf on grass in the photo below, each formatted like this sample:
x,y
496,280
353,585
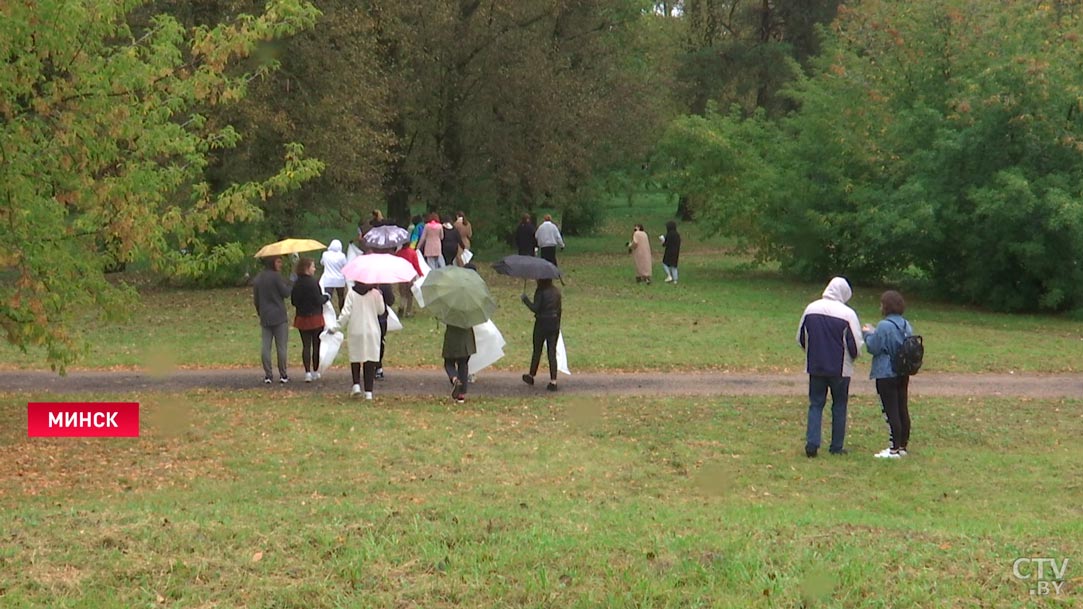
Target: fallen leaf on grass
x,y
258,556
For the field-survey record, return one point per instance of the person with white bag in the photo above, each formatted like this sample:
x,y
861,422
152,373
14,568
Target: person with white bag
x,y
360,319
547,312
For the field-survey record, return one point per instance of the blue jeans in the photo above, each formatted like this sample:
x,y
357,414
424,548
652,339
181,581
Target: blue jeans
x,y
817,398
671,271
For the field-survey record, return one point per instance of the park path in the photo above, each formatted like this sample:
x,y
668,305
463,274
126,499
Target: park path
x,y
429,382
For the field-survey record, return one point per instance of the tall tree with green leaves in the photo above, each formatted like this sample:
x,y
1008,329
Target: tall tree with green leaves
x,y
104,141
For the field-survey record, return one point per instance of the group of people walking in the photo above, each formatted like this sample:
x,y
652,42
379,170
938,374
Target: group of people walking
x,y
832,338
364,310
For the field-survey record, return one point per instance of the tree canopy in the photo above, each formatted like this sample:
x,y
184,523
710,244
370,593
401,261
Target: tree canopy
x,y
104,140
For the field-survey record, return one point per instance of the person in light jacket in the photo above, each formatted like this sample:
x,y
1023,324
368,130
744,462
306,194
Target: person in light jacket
x,y
549,239
466,230
269,292
830,334
431,242
883,342
640,248
360,318
332,262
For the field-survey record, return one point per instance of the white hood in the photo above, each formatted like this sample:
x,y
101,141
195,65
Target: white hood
x,y
838,289
336,246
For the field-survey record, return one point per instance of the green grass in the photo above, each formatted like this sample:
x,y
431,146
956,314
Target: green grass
x,y
726,314
229,500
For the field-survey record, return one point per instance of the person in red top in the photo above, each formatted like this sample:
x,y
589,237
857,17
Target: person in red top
x,y
406,297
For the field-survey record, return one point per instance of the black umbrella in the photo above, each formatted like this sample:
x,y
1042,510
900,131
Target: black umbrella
x,y
527,267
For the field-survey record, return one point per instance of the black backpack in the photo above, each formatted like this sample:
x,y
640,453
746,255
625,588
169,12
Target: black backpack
x,y
907,360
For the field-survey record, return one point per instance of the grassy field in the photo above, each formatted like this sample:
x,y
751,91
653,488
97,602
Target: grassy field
x,y
726,314
231,501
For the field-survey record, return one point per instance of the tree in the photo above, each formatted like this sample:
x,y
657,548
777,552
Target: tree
x,y
103,145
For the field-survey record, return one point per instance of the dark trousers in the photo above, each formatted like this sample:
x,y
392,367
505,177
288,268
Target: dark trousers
x,y
458,368
370,374
547,335
310,349
383,341
817,399
893,402
548,253
340,292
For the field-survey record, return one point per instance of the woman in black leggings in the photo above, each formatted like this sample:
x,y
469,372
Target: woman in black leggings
x,y
547,311
308,298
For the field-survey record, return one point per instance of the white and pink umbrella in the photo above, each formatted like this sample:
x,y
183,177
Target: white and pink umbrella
x,y
379,268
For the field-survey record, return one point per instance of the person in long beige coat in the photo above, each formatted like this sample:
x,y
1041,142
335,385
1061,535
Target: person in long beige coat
x,y
360,319
640,248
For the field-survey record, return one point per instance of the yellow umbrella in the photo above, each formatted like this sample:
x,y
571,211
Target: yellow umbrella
x,y
289,246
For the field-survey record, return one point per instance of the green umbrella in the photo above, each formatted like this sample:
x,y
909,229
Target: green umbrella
x,y
458,296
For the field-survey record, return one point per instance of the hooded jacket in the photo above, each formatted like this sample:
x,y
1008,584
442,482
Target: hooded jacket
x,y
830,332
332,262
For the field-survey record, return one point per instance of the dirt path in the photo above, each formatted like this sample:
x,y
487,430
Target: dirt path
x,y
428,382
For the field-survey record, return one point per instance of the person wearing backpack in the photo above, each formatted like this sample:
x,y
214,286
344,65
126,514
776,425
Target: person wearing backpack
x,y
885,342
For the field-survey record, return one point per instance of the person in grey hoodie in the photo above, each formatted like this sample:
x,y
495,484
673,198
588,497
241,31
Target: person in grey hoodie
x,y
548,238
269,293
831,336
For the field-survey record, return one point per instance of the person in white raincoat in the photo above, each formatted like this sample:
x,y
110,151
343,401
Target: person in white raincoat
x,y
360,318
332,280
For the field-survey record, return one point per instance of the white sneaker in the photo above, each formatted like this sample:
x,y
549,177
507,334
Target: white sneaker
x,y
902,452
887,453
308,377
669,279
315,376
356,390
368,395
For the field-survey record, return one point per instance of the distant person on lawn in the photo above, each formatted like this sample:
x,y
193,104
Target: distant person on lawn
x,y
308,298
332,262
525,243
830,334
883,342
549,239
466,230
671,241
640,248
431,243
269,292
547,312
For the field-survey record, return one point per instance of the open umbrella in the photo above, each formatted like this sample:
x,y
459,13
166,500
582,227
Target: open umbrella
x,y
527,267
289,246
386,237
379,268
458,296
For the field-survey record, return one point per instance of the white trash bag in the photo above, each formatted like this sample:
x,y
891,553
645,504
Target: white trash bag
x,y
562,355
490,343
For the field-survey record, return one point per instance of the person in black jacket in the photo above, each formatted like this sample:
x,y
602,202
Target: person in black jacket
x,y
308,298
389,301
671,241
547,312
524,236
451,245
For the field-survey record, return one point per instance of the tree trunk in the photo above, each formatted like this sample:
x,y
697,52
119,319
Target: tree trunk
x,y
396,183
684,208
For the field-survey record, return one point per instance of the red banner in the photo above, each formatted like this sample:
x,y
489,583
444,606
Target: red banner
x,y
82,419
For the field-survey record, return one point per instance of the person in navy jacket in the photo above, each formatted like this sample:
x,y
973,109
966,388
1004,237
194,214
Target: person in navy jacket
x,y
830,334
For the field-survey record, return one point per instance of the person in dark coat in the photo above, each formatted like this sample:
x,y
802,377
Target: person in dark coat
x,y
308,298
451,245
525,242
389,301
459,345
547,311
269,292
671,241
